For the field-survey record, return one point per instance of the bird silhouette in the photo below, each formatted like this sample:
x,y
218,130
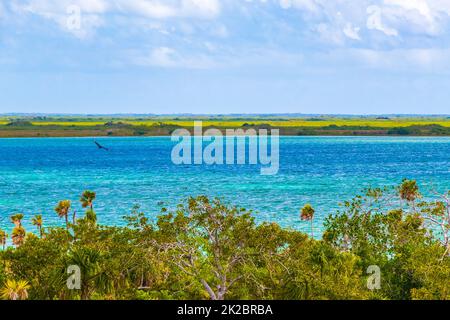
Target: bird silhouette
x,y
100,146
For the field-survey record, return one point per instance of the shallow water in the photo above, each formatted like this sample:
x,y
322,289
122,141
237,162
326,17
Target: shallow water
x,y
36,173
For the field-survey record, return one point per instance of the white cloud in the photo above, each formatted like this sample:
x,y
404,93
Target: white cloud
x,y
204,8
161,9
348,20
352,32
409,17
93,11
167,57
153,9
310,5
158,9
375,22
329,34
436,60
205,33
163,56
79,17
391,17
50,7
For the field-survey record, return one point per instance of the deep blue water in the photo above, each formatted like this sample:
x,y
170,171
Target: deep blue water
x,y
36,173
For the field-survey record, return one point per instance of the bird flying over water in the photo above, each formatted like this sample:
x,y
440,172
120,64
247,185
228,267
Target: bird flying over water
x,y
100,146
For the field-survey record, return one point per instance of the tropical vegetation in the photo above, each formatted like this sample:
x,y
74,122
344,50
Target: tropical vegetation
x,y
289,125
207,249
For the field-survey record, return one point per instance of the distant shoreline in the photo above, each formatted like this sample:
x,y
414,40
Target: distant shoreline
x,y
90,134
45,126
291,115
281,136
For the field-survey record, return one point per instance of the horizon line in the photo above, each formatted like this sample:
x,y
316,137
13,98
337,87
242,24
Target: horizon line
x,y
35,114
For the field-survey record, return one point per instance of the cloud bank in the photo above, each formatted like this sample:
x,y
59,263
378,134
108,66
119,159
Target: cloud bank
x,y
198,33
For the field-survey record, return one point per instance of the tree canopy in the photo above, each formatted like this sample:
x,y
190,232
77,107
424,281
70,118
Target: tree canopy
x,y
208,249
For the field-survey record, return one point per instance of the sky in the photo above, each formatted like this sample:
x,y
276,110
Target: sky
x,y
225,56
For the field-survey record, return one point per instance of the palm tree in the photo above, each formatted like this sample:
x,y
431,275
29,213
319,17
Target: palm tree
x,y
3,237
18,236
17,219
37,221
307,214
15,290
62,209
92,275
87,199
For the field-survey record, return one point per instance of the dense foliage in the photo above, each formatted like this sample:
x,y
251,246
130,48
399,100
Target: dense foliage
x,y
208,250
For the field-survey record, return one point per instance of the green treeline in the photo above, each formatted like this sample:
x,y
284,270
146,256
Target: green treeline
x,y
384,244
23,128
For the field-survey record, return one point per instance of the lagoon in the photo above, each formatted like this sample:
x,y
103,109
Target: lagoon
x,y
324,171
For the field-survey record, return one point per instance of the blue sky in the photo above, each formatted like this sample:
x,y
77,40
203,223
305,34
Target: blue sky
x,y
229,56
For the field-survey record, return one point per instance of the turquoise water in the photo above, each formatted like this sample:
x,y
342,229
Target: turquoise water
x,y
36,173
